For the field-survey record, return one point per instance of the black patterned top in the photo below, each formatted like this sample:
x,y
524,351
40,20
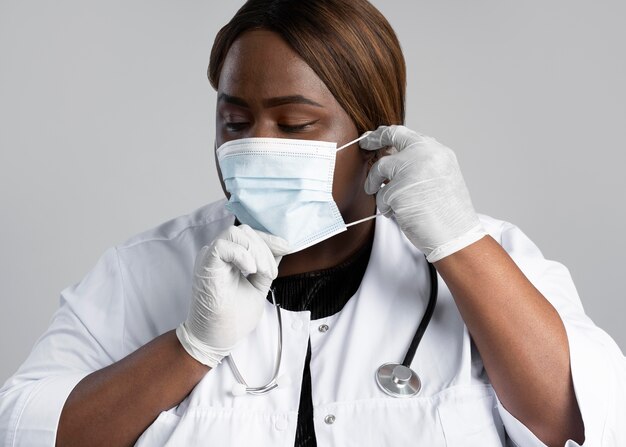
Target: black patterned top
x,y
323,293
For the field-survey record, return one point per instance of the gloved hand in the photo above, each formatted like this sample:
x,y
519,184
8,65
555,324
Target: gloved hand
x,y
426,191
231,279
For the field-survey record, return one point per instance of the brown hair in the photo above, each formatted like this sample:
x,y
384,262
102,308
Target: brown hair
x,y
348,43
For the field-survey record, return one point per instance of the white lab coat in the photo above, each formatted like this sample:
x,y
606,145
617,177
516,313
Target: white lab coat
x,y
141,289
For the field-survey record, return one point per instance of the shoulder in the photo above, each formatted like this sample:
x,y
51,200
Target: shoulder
x,y
150,273
493,225
506,233
205,222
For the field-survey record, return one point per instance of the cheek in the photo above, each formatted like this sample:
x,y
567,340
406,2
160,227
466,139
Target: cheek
x,y
219,176
350,174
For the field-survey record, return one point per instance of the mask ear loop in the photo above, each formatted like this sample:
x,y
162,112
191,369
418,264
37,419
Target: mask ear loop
x,y
365,219
356,222
355,140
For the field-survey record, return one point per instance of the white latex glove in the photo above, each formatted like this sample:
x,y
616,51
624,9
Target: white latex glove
x,y
231,279
426,191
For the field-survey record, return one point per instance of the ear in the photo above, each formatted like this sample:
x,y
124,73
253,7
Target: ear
x,y
373,156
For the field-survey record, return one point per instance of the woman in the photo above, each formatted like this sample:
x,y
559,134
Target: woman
x,y
132,357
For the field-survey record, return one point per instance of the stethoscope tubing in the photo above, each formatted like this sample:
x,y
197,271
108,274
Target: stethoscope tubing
x,y
428,313
269,386
408,358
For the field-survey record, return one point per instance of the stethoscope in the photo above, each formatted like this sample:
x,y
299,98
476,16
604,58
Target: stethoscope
x,y
395,379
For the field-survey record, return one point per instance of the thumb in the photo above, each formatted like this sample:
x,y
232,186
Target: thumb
x,y
375,140
396,136
277,245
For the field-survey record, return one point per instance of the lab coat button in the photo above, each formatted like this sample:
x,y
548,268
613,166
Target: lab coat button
x,y
281,424
329,419
296,325
323,328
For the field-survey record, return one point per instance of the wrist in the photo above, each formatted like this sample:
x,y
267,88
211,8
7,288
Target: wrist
x,y
195,368
199,351
457,244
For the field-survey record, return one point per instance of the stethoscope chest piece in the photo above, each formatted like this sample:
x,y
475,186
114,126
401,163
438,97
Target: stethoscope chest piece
x,y
398,380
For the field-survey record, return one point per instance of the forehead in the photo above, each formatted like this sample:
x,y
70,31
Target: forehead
x,y
260,63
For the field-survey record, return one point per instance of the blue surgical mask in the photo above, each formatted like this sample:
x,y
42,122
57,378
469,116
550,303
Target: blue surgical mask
x,y
284,187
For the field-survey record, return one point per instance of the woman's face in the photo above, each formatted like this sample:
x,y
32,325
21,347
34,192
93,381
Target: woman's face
x,y
267,90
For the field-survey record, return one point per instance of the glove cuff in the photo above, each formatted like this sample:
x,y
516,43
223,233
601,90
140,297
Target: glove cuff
x,y
206,355
475,234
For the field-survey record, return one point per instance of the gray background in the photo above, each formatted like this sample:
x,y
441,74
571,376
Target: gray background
x,y
107,125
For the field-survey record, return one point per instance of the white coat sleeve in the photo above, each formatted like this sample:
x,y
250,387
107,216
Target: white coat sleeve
x,y
597,364
85,335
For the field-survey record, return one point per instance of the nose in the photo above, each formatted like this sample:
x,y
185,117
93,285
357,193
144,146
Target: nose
x,y
258,128
264,129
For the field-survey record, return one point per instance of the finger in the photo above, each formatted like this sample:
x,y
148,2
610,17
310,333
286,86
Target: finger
x,y
230,252
260,282
249,238
400,137
238,236
381,203
203,258
373,139
382,170
277,245
396,136
265,262
235,234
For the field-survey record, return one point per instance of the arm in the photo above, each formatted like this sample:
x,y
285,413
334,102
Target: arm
x,y
113,406
520,337
56,396
536,358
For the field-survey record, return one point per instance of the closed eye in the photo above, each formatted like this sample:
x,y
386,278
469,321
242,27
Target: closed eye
x,y
297,127
235,127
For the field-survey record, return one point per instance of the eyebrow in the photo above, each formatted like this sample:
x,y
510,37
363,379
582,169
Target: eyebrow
x,y
269,102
